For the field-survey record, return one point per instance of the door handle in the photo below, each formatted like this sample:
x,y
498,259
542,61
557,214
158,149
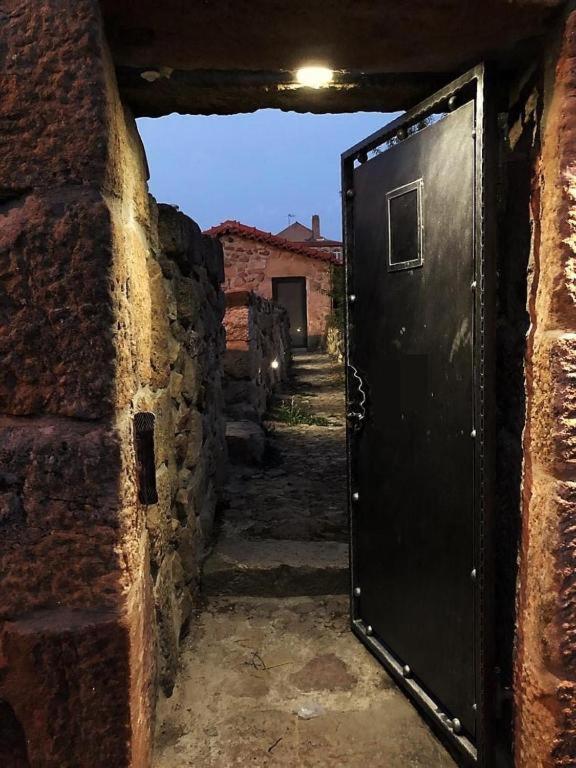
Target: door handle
x,y
357,406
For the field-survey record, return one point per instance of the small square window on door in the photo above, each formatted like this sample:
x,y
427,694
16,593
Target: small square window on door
x,y
405,226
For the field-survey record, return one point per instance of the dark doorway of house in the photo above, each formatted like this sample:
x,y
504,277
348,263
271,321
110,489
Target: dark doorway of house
x,y
290,292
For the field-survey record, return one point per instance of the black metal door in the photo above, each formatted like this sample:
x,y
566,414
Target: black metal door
x,y
416,267
290,292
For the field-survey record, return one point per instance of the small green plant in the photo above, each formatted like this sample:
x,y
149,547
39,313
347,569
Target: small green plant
x,y
337,294
294,412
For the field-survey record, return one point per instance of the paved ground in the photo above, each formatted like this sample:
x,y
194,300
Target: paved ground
x,y
301,494
285,530
255,668
271,676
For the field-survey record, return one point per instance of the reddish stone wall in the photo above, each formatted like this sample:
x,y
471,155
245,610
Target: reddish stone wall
x,y
96,322
76,650
257,333
250,266
546,649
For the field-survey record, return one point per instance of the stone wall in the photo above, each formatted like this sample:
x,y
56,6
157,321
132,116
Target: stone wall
x,y
185,394
250,265
76,607
545,687
84,347
257,336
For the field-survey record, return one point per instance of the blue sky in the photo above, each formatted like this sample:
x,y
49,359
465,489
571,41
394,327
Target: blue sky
x,y
256,168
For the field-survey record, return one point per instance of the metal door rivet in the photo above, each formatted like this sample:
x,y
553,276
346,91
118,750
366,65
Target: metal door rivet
x,y
352,298
473,433
357,591
474,707
473,574
356,496
406,671
456,725
451,103
369,630
473,285
349,193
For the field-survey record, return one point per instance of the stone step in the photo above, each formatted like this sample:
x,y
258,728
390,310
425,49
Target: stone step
x,y
267,568
246,442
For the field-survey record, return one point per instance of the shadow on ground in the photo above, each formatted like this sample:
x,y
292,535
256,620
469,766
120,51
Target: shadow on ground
x,y
271,674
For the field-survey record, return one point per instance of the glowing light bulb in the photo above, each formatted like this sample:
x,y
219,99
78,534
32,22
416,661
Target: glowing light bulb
x,y
314,77
275,364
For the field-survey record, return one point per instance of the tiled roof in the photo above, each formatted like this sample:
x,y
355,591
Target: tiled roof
x,y
252,233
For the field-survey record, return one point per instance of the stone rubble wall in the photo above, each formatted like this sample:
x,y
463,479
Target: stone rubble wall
x,y
250,266
185,394
257,334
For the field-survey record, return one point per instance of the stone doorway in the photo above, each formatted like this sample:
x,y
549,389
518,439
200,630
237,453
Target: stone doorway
x,y
280,545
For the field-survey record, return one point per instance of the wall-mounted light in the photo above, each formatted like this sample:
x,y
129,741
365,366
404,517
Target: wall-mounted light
x,y
275,364
314,77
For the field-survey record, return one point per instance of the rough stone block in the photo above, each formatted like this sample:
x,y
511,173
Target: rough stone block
x,y
563,426
173,606
180,238
214,258
56,320
53,75
246,442
187,550
238,363
66,676
189,297
241,392
60,505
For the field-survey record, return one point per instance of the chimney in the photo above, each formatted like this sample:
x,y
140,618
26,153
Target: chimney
x,y
315,227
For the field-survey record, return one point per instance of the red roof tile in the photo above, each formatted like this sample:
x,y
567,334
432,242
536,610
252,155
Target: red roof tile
x,y
252,233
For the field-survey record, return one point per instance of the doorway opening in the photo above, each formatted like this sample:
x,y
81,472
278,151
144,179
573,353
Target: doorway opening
x,y
279,549
291,293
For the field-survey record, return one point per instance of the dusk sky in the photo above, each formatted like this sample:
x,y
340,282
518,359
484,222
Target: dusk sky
x,y
255,168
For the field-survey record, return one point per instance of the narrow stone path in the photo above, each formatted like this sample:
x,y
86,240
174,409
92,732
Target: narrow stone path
x,y
270,672
285,530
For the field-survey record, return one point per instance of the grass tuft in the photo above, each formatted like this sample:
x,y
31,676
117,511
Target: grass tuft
x,y
295,412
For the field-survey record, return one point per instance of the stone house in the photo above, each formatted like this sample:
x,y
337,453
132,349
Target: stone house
x,y
292,273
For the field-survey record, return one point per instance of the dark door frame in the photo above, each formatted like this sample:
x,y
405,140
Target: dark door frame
x,y
470,86
298,280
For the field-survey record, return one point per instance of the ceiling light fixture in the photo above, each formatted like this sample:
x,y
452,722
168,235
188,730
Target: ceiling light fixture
x,y
315,77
